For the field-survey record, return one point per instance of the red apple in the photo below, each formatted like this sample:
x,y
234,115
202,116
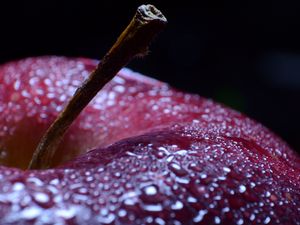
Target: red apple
x,y
165,157
149,154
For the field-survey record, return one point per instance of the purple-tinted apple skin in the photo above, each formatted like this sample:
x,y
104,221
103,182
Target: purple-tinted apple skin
x,y
160,156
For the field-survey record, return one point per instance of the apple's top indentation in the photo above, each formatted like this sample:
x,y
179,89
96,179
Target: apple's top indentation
x,y
133,41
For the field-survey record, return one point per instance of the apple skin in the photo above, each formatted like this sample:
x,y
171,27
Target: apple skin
x,y
159,156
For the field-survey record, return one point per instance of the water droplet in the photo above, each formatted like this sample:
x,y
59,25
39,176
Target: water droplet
x,y
177,169
117,174
18,186
118,79
240,222
150,190
106,219
203,176
181,152
132,154
31,212
130,198
25,94
252,184
122,213
89,178
177,205
119,88
17,84
226,209
160,154
267,220
261,204
160,221
217,220
182,180
170,158
153,208
41,197
166,111
252,217
226,169
191,199
218,197
36,181
66,213
242,188
200,215
149,219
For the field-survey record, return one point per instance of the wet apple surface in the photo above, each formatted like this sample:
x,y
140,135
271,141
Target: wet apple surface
x,y
148,154
35,90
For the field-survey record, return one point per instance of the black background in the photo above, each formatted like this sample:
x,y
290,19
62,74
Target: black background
x,y
245,54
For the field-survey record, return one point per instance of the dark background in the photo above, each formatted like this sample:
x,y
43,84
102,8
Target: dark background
x,y
245,54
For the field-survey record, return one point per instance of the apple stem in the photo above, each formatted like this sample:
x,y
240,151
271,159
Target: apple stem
x,y
134,41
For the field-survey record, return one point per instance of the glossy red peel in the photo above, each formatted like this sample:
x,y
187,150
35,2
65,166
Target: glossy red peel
x,y
165,157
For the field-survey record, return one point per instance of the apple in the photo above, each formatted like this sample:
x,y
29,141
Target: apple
x,y
140,153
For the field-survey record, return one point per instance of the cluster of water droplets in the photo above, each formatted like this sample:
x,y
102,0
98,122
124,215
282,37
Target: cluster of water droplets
x,y
190,161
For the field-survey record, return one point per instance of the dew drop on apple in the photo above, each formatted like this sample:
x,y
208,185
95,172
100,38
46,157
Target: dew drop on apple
x,y
177,169
267,220
58,199
217,220
130,201
119,88
160,154
194,167
182,180
149,219
181,152
153,207
106,219
41,197
261,204
170,158
66,213
226,169
242,188
132,154
191,199
159,221
104,212
268,194
17,85
122,213
35,180
252,184
203,176
18,186
252,217
200,215
31,212
150,190
80,198
25,94
89,178
240,222
117,174
34,80
177,205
